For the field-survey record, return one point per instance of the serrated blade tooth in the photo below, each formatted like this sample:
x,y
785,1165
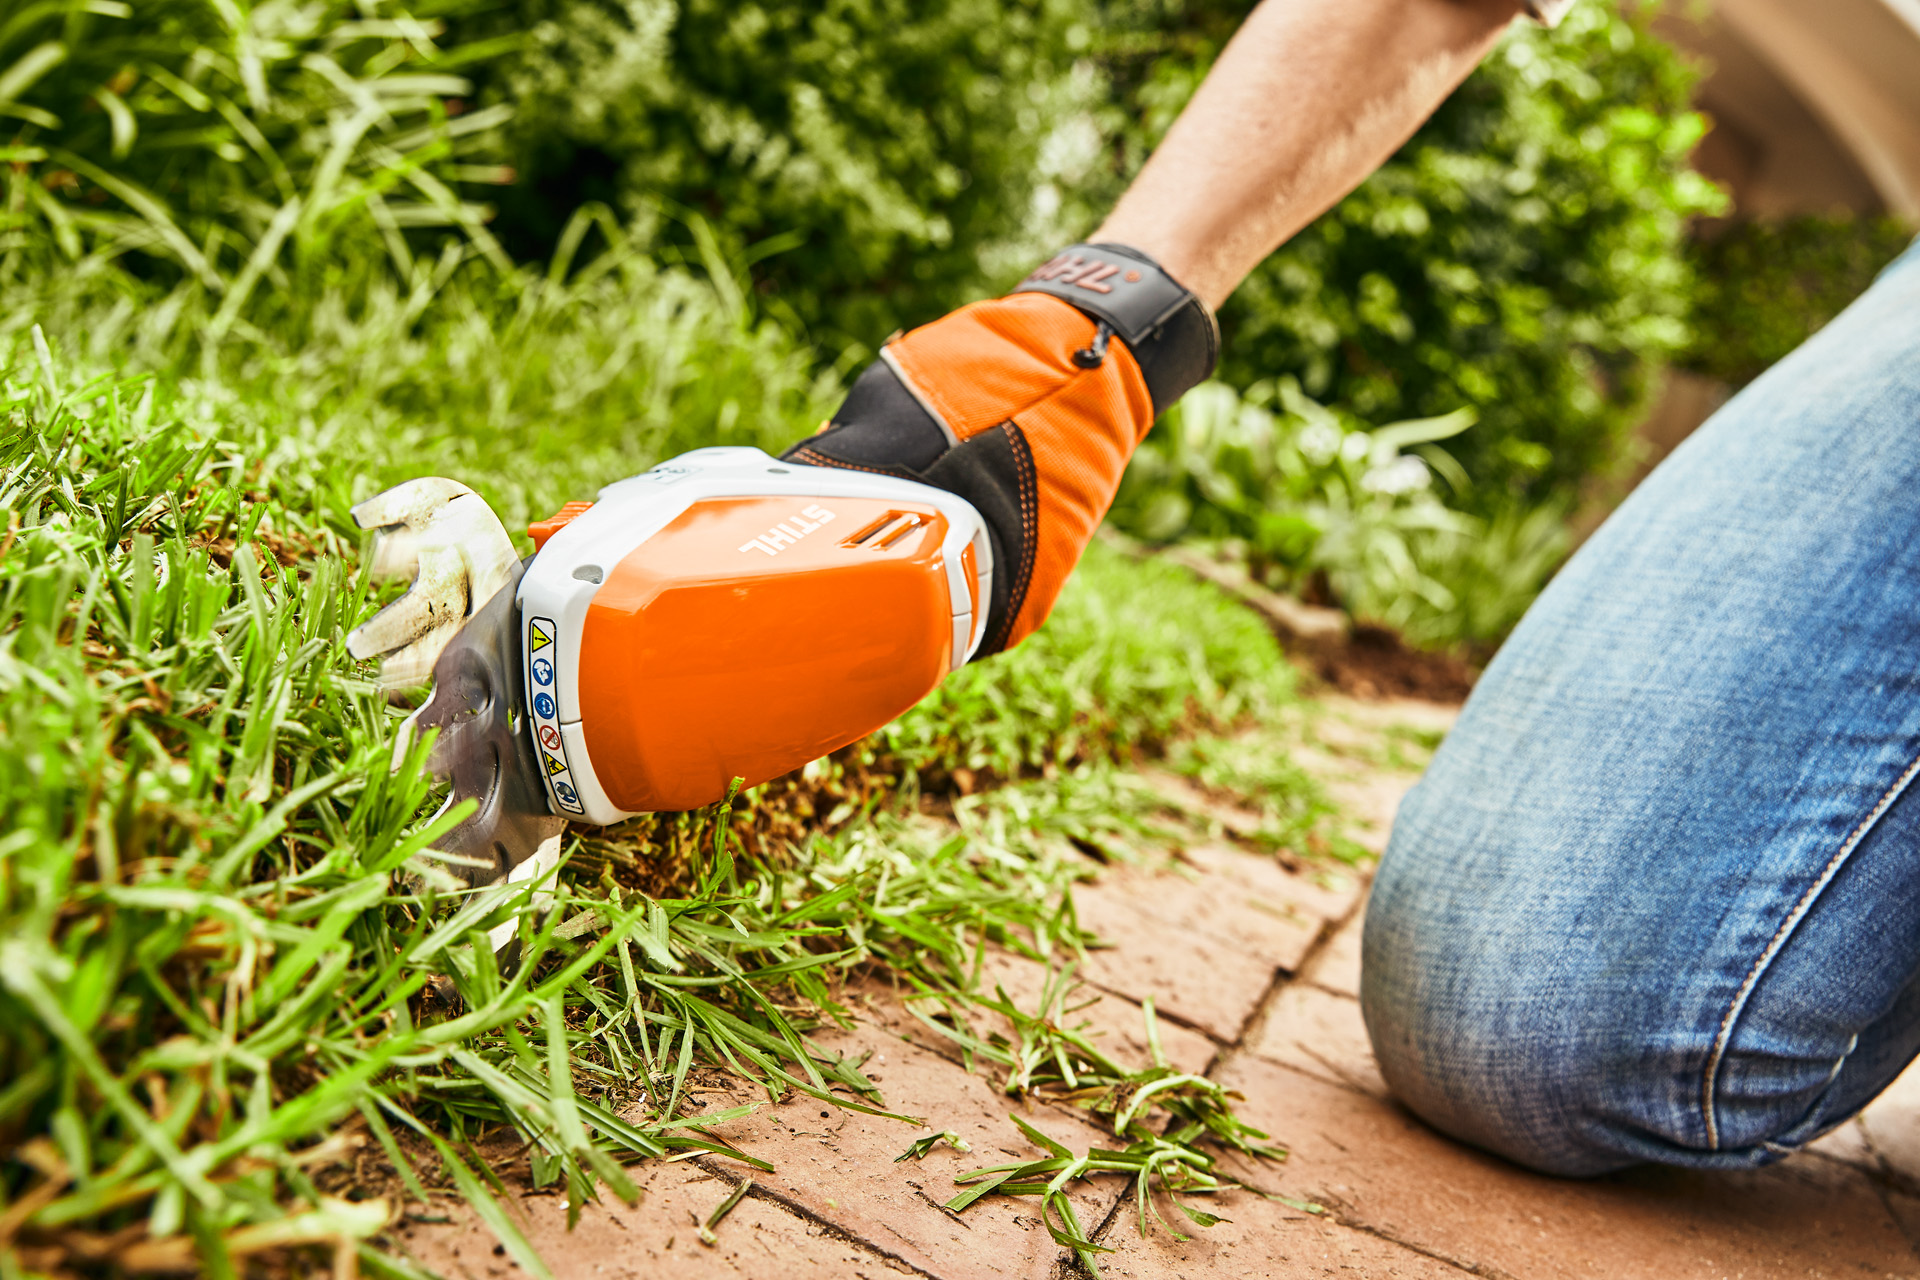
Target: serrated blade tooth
x,y
396,554
410,504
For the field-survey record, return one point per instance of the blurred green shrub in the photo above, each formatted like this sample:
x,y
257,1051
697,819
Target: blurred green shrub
x,y
1767,286
1522,255
1328,509
876,145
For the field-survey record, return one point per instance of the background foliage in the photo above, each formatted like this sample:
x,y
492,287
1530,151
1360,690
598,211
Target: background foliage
x,y
1766,287
873,164
860,151
262,162
1522,255
1322,506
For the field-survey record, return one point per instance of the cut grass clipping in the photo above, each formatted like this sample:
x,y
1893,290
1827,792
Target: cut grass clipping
x,y
230,966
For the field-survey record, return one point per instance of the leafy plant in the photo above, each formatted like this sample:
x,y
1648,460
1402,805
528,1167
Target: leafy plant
x,y
239,154
1767,286
1319,506
1488,578
861,151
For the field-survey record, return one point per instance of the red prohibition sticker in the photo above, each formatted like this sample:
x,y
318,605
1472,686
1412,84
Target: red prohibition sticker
x,y
549,737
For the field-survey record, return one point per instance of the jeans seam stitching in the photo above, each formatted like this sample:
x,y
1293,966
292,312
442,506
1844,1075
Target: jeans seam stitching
x,y
1760,966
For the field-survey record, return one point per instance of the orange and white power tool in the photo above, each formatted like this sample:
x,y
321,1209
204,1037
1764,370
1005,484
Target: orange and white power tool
x,y
732,615
725,615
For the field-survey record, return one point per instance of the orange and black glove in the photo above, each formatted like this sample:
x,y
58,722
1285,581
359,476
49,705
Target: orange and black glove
x,y
1029,406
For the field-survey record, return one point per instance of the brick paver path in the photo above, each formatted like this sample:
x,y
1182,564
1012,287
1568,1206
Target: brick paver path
x,y
1254,970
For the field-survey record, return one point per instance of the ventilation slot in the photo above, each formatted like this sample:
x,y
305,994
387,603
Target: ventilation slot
x,y
887,530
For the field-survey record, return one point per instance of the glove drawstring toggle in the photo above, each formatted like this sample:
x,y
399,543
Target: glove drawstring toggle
x,y
1092,357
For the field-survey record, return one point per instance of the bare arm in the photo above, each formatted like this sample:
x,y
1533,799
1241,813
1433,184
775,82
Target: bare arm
x,y
1308,99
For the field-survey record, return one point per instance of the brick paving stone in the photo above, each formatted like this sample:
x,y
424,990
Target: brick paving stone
x,y
1192,976
1320,1034
1379,1168
840,1168
1848,1143
1113,1023
1205,938
659,1236
1891,1127
1261,1239
1337,967
1318,894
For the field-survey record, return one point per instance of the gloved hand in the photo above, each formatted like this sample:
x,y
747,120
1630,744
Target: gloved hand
x,y
1029,406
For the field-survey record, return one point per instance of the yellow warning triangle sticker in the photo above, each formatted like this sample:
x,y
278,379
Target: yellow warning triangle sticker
x,y
555,766
540,639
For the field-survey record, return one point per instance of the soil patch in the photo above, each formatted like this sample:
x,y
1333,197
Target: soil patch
x,y
1374,662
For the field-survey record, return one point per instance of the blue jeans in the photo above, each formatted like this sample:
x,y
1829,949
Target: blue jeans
x,y
1658,896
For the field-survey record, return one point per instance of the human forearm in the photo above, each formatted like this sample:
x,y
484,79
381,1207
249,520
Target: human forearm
x,y
1307,100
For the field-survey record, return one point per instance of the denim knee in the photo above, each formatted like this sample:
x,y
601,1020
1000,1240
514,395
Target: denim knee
x,y
1471,1034
1657,896
1579,1003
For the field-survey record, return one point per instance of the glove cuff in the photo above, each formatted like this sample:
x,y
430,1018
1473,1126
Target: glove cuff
x,y
1173,335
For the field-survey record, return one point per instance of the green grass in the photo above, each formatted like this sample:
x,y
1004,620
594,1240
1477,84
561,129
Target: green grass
x,y
220,942
535,387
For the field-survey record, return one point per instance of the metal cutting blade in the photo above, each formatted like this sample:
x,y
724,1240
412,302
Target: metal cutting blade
x,y
458,624
478,705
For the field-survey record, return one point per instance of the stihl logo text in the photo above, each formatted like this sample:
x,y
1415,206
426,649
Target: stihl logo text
x,y
789,531
1090,274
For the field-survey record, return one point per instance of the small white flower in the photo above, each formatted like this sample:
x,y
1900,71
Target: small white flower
x,y
1319,443
1402,475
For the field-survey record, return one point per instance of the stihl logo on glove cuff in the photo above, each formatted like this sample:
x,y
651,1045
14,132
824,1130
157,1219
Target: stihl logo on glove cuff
x,y
1084,273
781,536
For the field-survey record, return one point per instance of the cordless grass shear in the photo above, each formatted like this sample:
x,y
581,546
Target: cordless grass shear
x,y
724,615
730,614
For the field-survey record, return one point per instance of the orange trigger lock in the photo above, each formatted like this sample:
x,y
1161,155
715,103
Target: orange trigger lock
x,y
541,530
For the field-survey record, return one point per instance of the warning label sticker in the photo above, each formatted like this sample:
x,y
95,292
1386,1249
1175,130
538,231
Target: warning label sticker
x,y
542,679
